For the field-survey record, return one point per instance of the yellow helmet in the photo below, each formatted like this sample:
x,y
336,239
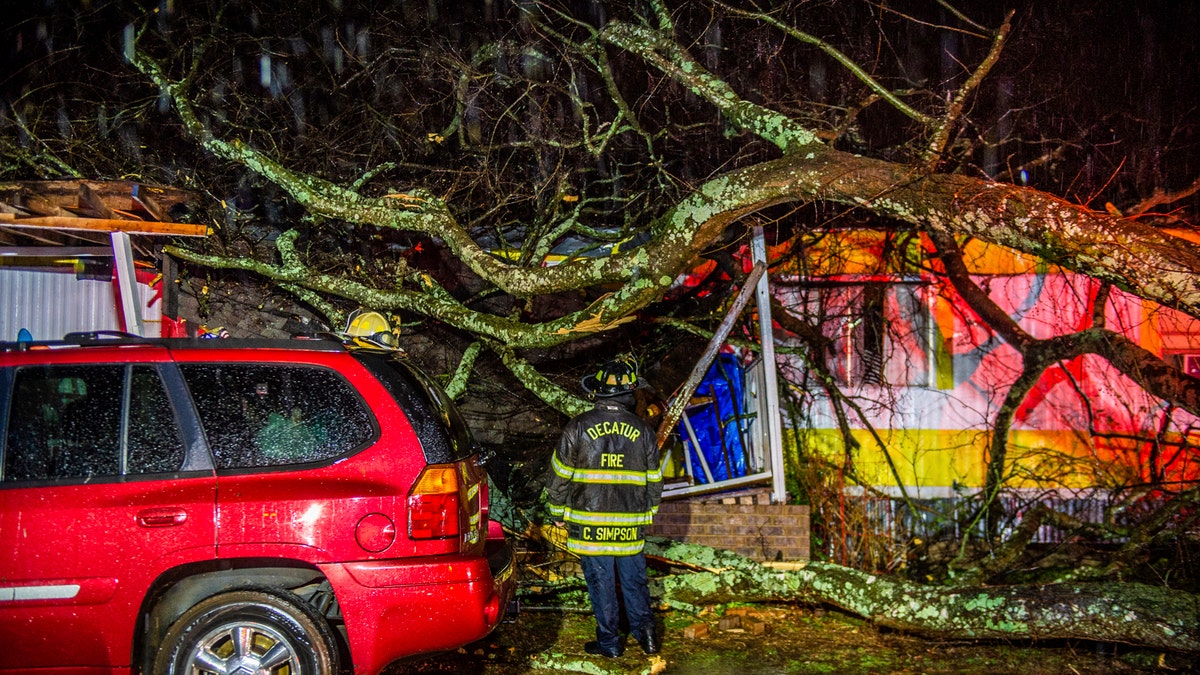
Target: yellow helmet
x,y
371,327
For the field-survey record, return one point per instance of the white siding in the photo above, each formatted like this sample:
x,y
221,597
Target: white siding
x,y
53,303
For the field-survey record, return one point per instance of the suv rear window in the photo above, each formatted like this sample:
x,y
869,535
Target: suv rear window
x,y
445,437
70,422
258,415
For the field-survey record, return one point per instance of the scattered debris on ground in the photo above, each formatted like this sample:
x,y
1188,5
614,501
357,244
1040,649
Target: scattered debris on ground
x,y
771,639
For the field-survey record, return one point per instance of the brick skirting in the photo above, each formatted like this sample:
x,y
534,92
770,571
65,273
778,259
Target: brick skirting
x,y
747,524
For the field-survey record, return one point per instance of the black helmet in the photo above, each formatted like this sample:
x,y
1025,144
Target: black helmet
x,y
614,378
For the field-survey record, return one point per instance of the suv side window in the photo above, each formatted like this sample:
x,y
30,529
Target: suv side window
x,y
258,415
68,422
153,442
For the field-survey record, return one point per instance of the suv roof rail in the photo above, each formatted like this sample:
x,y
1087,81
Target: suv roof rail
x,y
79,339
96,335
112,338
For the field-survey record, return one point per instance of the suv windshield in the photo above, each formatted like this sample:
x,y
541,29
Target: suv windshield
x,y
444,435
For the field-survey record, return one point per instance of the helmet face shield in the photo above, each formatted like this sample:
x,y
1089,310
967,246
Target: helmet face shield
x,y
614,378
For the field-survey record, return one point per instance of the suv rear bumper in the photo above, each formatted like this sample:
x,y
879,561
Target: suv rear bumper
x,y
401,607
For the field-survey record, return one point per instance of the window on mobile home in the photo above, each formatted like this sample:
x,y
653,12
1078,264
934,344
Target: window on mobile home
x,y
879,332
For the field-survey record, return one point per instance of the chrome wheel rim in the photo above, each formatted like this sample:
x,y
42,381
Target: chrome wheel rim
x,y
243,648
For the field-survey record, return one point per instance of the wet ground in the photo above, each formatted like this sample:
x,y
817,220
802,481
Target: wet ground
x,y
792,640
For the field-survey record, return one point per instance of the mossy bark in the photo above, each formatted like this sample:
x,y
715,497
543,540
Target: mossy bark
x,y
1130,613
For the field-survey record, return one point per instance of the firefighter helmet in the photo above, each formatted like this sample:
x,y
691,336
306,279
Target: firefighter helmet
x,y
371,327
614,378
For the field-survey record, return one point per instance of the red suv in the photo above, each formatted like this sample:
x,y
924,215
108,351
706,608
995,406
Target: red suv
x,y
222,506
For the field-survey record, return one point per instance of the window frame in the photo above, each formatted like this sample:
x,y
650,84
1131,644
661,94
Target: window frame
x,y
844,330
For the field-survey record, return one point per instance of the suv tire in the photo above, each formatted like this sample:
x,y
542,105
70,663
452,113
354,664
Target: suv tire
x,y
236,630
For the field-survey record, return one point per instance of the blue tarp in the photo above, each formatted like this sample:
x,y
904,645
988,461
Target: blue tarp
x,y
717,423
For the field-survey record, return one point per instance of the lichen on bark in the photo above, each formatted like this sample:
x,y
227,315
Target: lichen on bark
x,y
1111,612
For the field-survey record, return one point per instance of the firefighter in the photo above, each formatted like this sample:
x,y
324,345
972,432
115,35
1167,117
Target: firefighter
x,y
605,484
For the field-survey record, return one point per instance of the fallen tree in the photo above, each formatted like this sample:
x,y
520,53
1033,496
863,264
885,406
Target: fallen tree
x,y
1129,613
542,131
654,225
1121,612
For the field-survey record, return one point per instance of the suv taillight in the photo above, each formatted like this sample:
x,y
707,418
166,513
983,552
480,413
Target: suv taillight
x,y
433,503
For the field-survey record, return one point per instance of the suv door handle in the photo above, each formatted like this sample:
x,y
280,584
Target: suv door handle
x,y
162,517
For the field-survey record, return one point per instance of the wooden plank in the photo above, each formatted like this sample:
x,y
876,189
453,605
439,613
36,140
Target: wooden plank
x,y
106,225
118,194
91,200
37,205
142,198
45,240
129,215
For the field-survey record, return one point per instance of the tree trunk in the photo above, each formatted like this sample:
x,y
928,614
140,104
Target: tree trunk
x,y
1130,613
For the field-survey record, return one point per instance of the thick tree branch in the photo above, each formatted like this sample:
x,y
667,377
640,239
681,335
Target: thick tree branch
x,y
1132,256
1127,612
428,299
660,50
555,396
976,298
458,383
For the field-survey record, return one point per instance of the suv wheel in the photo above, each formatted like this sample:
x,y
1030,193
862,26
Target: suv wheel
x,y
249,631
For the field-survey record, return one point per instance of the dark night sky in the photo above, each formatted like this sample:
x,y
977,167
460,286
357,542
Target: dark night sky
x,y
1117,79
